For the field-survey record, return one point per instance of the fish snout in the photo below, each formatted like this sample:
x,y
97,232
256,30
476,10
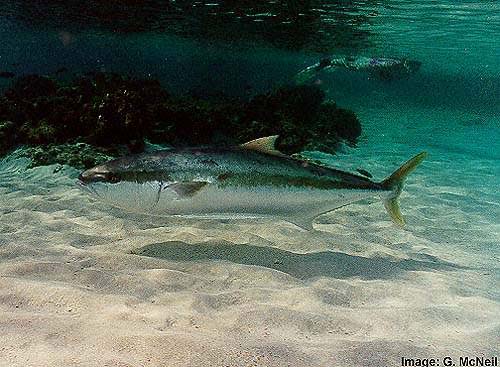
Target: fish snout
x,y
97,174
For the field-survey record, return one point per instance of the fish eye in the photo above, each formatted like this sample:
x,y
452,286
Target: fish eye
x,y
112,178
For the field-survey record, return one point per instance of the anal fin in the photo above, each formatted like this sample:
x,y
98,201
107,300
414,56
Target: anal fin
x,y
305,223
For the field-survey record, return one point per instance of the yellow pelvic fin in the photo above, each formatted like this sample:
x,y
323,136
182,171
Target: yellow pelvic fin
x,y
392,207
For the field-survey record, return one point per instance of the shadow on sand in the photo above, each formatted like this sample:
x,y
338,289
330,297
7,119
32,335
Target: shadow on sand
x,y
301,266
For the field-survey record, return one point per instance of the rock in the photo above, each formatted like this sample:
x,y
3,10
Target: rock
x,y
7,131
30,87
111,113
78,155
7,74
302,118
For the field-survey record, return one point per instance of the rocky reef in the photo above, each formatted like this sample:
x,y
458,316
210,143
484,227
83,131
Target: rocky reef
x,y
99,116
78,155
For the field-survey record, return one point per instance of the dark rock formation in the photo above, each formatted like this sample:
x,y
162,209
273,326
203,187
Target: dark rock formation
x,y
78,155
302,119
108,112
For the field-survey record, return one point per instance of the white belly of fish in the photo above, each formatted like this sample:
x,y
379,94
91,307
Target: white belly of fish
x,y
227,202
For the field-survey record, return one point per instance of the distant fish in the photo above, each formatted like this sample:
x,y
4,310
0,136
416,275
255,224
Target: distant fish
x,y
384,68
6,74
249,181
364,172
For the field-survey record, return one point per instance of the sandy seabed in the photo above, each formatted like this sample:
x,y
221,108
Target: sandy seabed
x,y
82,284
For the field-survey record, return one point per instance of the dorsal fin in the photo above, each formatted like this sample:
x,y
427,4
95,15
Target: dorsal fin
x,y
264,145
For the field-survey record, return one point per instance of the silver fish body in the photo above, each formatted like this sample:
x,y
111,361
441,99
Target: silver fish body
x,y
237,182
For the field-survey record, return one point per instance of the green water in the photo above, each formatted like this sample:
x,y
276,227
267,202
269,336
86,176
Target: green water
x,y
356,292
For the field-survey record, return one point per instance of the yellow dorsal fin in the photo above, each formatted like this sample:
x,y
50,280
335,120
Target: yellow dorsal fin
x,y
264,145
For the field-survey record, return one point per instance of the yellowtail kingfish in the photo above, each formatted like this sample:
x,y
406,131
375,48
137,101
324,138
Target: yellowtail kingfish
x,y
252,180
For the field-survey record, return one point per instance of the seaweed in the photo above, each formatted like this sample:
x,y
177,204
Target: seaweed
x,y
117,114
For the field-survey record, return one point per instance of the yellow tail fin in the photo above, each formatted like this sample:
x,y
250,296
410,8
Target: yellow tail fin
x,y
395,183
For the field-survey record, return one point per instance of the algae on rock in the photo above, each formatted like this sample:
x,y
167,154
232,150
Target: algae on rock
x,y
108,112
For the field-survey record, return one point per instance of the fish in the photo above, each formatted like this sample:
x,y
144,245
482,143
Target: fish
x,y
364,172
253,180
382,67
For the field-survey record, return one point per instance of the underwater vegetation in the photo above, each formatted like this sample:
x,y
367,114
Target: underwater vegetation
x,y
99,116
7,74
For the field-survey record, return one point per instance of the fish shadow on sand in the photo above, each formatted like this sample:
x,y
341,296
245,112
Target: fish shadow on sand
x,y
302,266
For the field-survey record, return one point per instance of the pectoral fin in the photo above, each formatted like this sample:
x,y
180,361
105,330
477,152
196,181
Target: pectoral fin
x,y
188,188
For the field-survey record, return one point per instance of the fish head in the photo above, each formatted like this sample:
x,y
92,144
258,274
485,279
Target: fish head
x,y
122,183
102,173
100,180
